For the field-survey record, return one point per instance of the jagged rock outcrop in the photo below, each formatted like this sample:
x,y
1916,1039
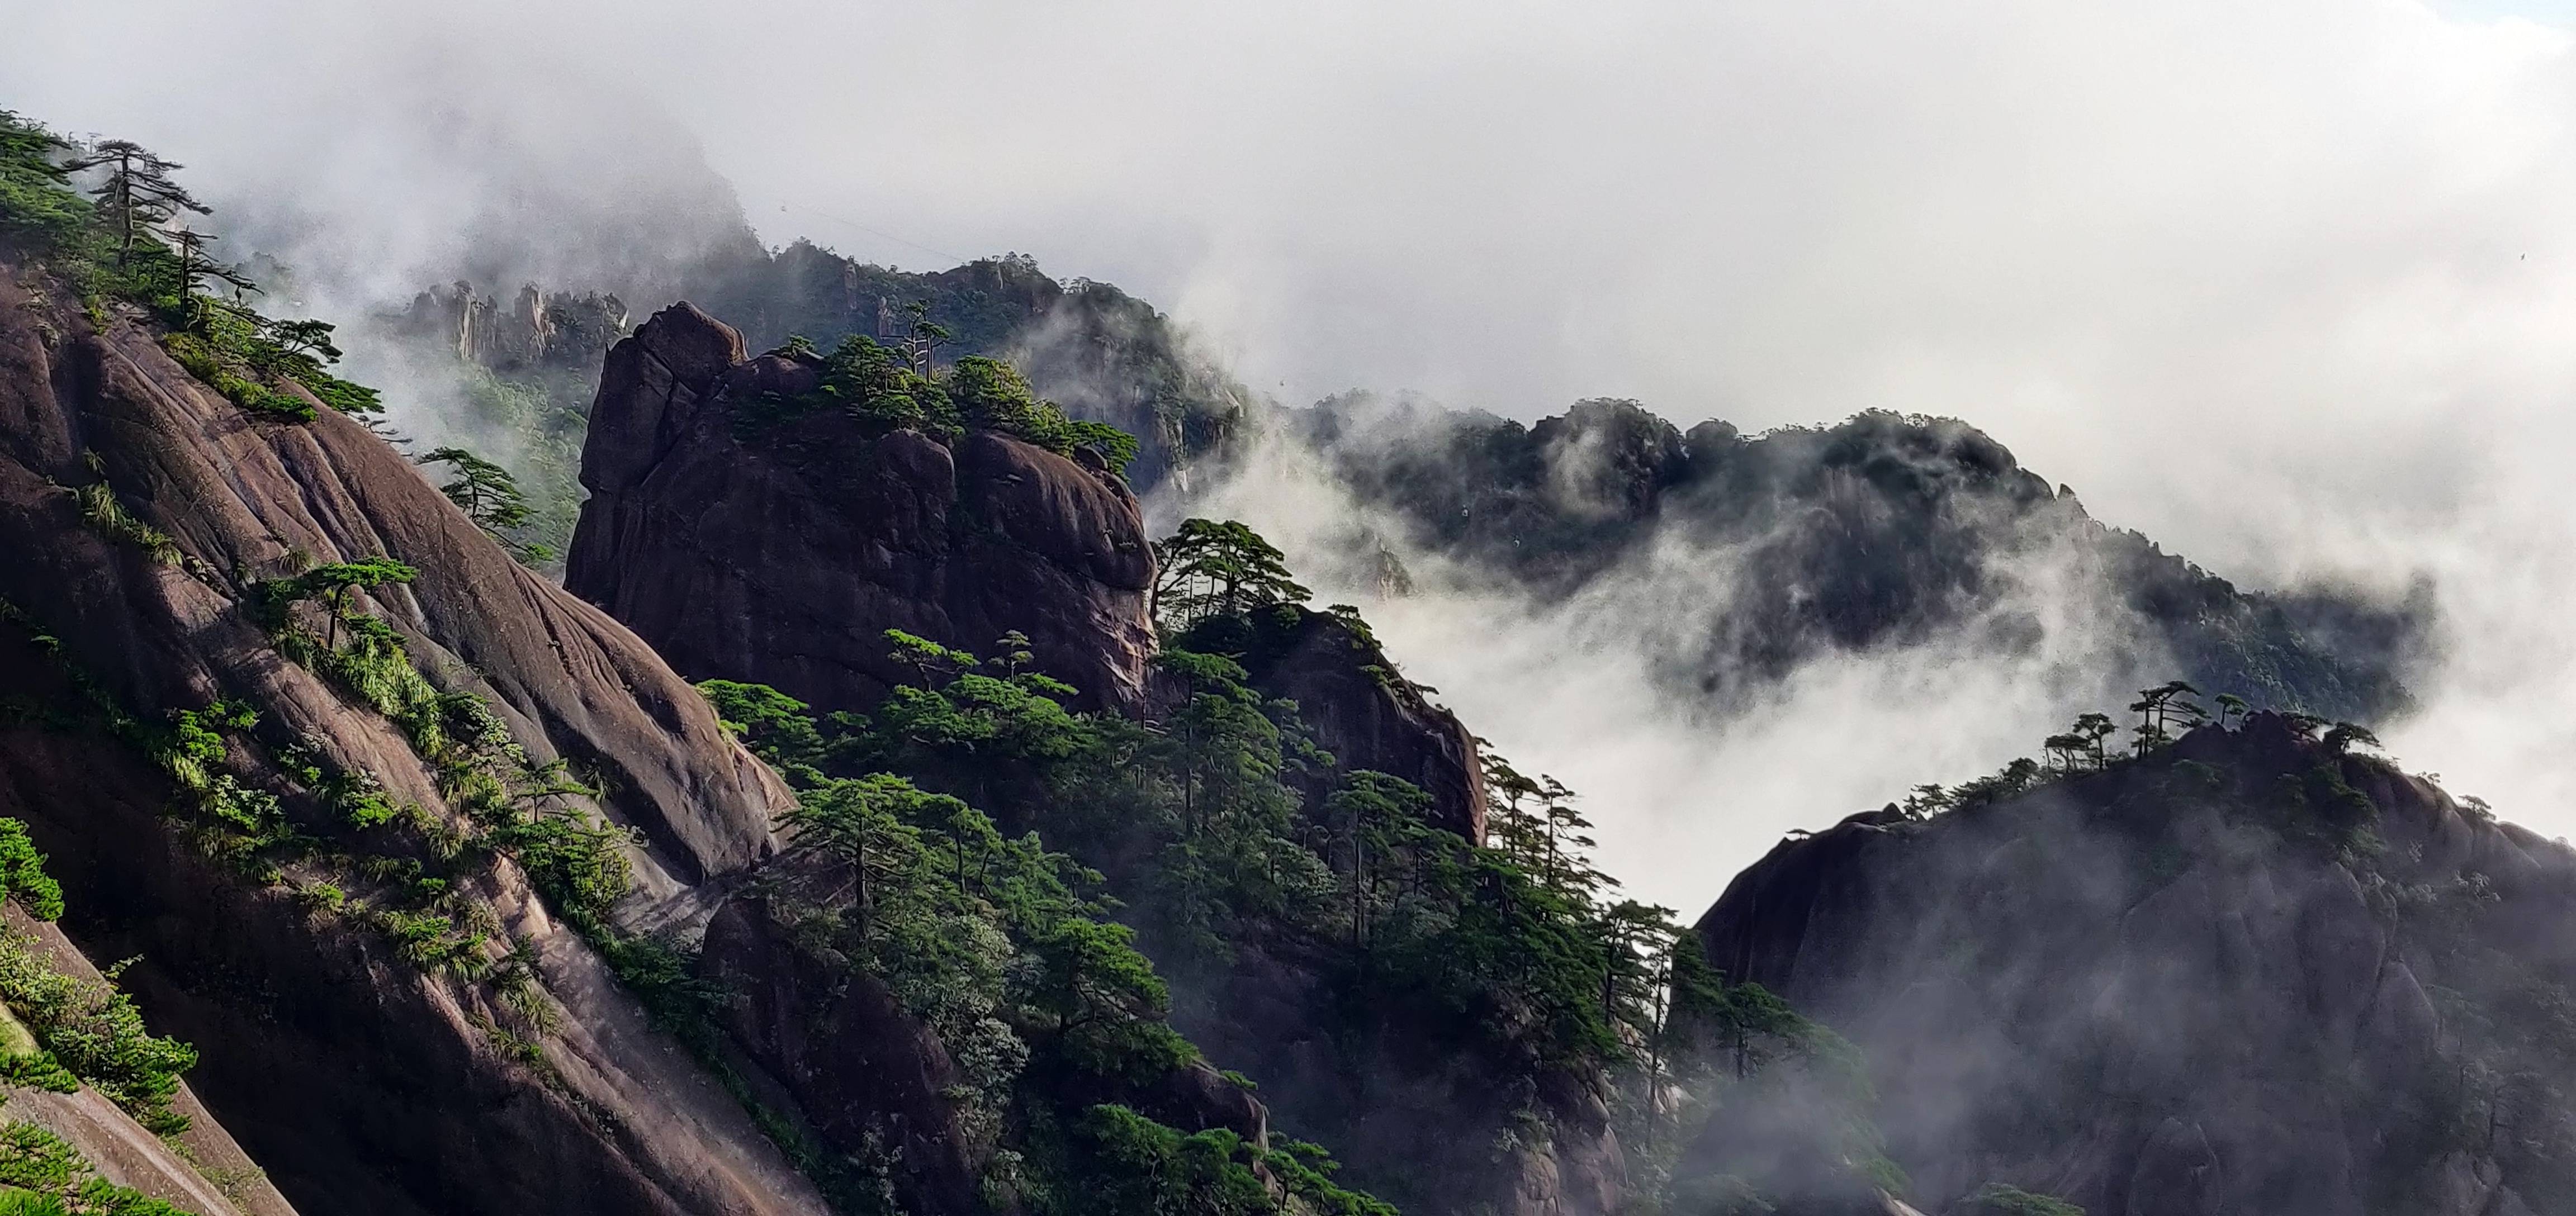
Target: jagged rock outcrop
x,y
361,1081
781,551
1100,353
536,330
2248,974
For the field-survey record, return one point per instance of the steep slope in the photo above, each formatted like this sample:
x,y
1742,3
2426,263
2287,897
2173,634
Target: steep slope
x,y
1759,553
2248,973
782,551
442,1041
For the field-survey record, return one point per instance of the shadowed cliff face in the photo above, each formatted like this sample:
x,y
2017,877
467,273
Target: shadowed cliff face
x,y
362,1080
1359,707
782,551
2247,974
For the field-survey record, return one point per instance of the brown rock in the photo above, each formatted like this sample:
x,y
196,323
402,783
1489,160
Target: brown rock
x,y
781,552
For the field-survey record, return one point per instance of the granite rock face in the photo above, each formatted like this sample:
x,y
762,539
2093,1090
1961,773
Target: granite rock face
x,y
781,552
359,1080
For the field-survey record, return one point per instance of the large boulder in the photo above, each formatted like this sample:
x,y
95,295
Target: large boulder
x,y
781,551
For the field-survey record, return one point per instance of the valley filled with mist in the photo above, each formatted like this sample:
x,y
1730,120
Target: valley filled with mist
x,y
1671,611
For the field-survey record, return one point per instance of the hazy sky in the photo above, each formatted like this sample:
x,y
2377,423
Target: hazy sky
x,y
2289,285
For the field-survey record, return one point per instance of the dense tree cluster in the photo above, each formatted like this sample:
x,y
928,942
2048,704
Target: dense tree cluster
x,y
1000,944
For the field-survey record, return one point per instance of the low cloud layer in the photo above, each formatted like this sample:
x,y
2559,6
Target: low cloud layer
x,y
1686,791
2289,286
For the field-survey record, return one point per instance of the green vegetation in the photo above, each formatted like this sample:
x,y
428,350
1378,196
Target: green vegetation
x,y
1111,356
22,874
102,511
1130,1164
894,387
513,805
988,939
40,1175
1049,1009
1211,568
126,241
72,1030
391,868
94,1032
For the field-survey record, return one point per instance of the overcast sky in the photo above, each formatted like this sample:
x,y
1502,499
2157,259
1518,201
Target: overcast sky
x,y
2291,286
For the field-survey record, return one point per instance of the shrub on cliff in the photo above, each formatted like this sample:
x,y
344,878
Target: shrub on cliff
x,y
879,384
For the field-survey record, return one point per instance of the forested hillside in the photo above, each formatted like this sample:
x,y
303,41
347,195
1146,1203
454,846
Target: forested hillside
x,y
1879,532
1397,938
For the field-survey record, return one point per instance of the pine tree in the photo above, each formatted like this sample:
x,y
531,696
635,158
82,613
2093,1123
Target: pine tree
x,y
921,345
1565,865
1511,825
489,496
860,822
1219,568
333,583
138,193
35,198
2093,728
2160,708
195,264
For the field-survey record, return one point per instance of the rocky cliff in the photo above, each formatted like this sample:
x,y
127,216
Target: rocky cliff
x,y
391,1018
751,546
2249,973
536,330
782,551
1101,353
